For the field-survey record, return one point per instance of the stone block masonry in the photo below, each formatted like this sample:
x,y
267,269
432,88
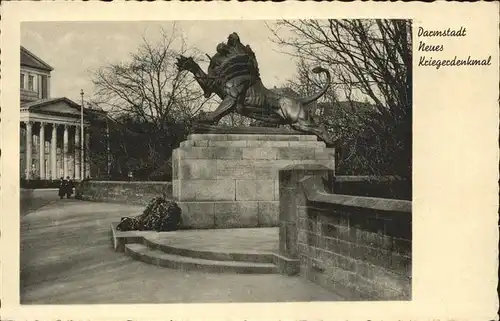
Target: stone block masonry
x,y
134,193
231,180
359,247
229,214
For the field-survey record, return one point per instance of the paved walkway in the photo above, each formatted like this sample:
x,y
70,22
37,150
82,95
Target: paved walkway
x,y
33,199
66,258
241,240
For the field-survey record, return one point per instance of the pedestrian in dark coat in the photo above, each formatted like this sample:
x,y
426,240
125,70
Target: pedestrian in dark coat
x,y
69,187
62,187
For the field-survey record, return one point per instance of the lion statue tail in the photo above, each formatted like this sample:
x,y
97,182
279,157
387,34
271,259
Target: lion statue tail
x,y
316,96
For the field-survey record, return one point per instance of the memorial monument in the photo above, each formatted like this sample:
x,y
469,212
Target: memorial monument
x,y
228,177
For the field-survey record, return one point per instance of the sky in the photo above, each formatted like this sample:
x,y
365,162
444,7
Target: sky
x,y
75,49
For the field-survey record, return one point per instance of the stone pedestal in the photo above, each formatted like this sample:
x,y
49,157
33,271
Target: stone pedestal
x,y
231,180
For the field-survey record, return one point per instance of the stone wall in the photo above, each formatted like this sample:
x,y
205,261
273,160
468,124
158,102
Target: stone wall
x,y
136,193
359,247
231,180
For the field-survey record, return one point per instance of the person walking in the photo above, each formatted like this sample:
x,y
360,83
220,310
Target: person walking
x,y
62,187
69,187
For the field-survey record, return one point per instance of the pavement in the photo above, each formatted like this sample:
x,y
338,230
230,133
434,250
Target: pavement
x,y
32,199
66,258
236,240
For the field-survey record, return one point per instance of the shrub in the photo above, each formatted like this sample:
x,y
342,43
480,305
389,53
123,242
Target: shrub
x,y
160,215
38,183
162,173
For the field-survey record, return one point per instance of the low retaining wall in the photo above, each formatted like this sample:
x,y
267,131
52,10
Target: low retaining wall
x,y
39,183
136,193
359,247
25,194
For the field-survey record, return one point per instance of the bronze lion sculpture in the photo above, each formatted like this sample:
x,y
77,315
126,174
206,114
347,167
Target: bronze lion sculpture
x,y
233,75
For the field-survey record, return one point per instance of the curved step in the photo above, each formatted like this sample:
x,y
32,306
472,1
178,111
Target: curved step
x,y
252,257
143,253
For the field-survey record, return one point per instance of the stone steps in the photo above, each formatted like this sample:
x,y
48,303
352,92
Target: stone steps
x,y
241,256
157,257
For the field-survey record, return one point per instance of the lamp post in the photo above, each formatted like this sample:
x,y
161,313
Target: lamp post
x,y
108,148
82,141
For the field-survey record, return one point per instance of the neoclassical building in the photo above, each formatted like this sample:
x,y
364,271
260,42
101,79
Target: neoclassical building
x,y
51,140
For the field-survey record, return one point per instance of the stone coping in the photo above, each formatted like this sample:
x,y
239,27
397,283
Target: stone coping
x,y
366,178
120,238
293,142
374,203
132,182
302,167
315,193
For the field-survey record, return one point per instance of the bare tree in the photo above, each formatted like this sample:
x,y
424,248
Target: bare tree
x,y
148,91
149,86
370,60
373,56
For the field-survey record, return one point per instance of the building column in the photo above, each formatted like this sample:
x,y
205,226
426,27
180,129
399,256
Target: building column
x,y
77,153
42,150
39,86
48,86
28,148
65,151
53,153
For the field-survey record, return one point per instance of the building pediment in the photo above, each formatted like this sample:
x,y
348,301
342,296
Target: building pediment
x,y
54,106
29,59
59,108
